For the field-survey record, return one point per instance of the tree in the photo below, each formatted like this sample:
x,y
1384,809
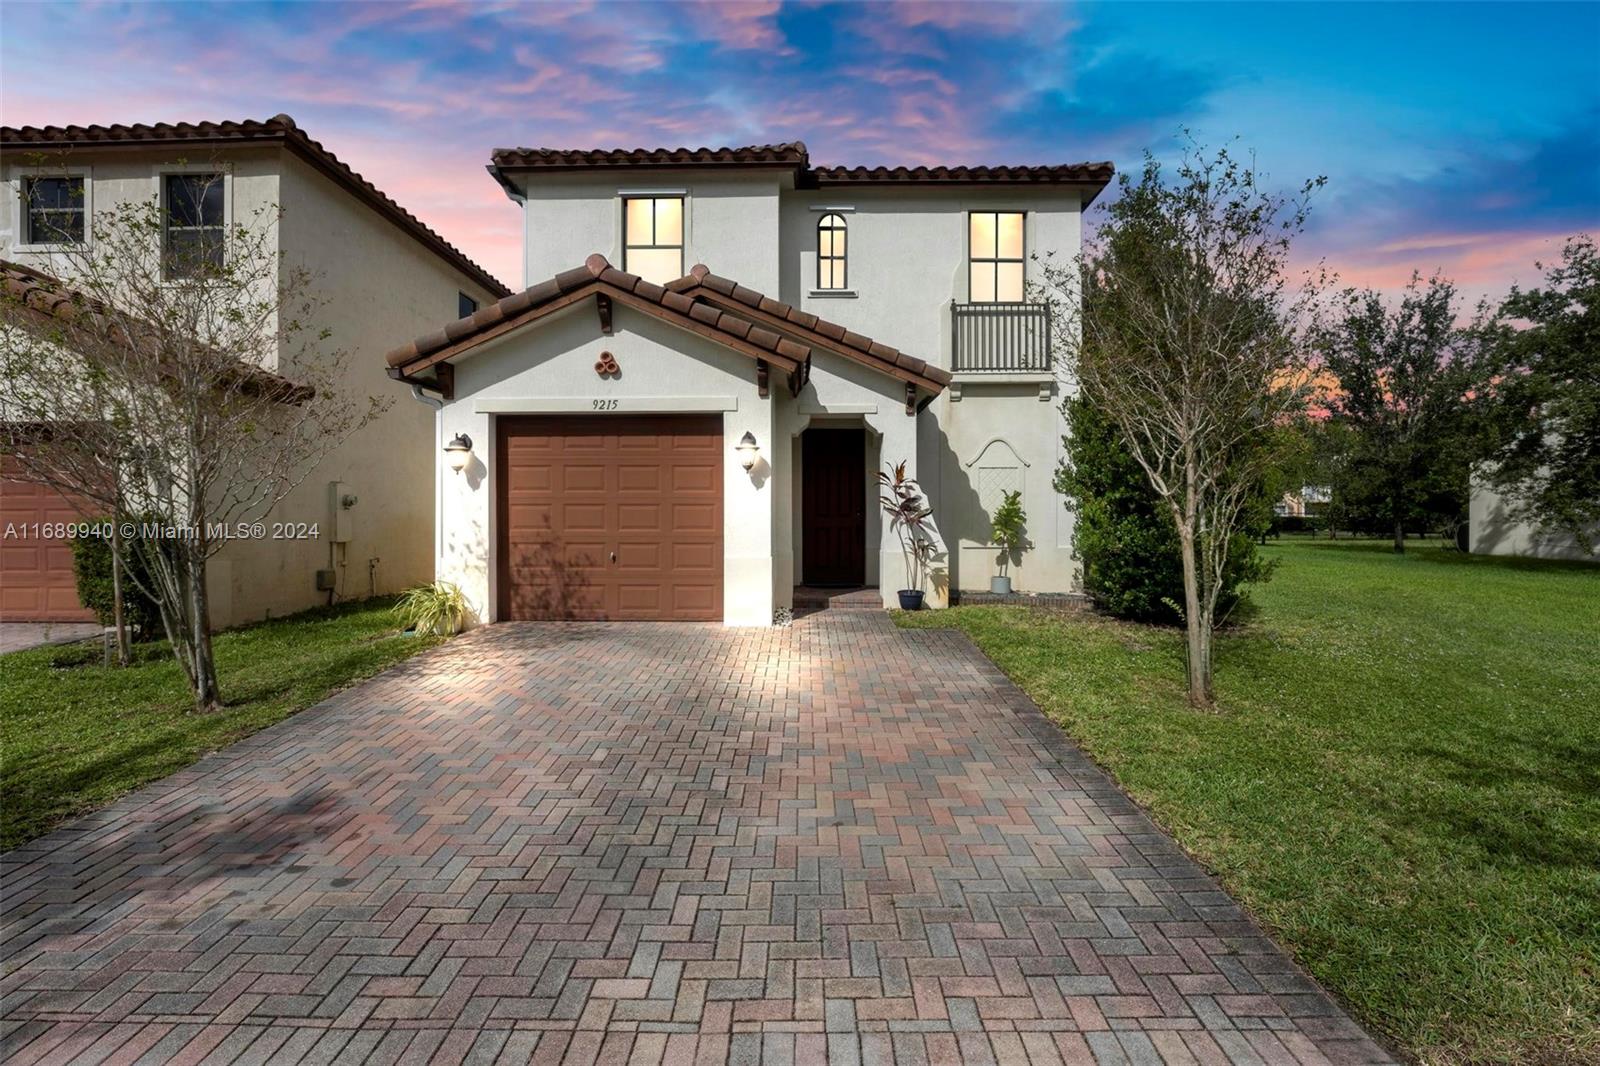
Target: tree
x,y
156,383
1548,400
1408,382
1124,535
1185,336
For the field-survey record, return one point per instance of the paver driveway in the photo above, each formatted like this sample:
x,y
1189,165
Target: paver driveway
x,y
838,842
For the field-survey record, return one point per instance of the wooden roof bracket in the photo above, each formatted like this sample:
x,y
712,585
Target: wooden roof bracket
x,y
762,372
911,398
602,303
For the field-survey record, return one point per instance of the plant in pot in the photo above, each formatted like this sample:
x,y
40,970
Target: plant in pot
x,y
908,514
1006,532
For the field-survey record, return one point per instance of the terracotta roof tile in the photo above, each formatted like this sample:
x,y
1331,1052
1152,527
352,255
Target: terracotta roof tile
x,y
1073,173
595,272
791,154
701,278
279,129
43,298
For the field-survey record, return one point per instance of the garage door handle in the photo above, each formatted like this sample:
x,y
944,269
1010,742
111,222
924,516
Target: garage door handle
x,y
613,556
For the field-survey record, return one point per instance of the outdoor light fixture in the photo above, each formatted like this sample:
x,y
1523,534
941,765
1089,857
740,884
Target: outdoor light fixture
x,y
459,452
749,451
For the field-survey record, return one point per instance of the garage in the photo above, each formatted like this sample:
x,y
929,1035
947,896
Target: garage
x,y
36,582
609,517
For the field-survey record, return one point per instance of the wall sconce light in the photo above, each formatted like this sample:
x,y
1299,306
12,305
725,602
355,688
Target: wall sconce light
x,y
749,451
459,452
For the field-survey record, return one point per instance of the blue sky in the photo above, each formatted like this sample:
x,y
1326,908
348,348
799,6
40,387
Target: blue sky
x,y
1464,137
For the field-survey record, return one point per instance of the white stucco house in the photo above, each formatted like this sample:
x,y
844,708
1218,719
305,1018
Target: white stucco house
x,y
684,302
383,272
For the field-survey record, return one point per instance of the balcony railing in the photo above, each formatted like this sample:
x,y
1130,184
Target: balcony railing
x,y
1000,338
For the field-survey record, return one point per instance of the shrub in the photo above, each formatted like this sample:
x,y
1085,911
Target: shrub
x,y
91,567
437,608
1132,566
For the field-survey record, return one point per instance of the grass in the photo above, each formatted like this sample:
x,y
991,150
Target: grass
x,y
75,735
1402,780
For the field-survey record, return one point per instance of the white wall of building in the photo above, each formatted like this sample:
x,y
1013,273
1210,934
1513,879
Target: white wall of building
x,y
1492,530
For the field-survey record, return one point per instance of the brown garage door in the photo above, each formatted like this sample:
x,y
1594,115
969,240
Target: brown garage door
x,y
610,517
36,582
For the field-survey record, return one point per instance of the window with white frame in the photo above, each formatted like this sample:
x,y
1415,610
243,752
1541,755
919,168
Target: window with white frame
x,y
652,237
53,207
195,224
831,262
995,257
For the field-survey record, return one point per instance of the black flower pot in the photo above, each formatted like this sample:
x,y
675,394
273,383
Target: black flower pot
x,y
911,599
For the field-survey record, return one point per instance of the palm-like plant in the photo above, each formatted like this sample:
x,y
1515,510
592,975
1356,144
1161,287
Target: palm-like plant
x,y
440,608
908,512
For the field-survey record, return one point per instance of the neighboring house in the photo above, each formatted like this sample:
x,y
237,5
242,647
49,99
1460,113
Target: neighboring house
x,y
381,270
1493,530
838,320
1310,500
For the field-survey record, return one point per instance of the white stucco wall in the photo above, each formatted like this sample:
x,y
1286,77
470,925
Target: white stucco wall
x,y
548,368
1493,531
730,221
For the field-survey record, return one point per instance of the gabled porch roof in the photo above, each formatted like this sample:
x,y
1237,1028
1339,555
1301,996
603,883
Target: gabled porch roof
x,y
766,330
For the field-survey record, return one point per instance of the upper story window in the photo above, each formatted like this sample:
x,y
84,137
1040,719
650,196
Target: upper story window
x,y
831,264
465,305
54,208
995,257
652,237
194,223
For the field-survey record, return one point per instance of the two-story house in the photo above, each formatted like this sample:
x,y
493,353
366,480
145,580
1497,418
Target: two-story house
x,y
682,415
381,271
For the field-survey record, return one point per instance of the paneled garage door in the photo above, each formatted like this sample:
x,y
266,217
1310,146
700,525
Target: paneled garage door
x,y
610,517
36,582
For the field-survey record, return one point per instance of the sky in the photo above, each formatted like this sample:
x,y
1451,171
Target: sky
x,y
1463,138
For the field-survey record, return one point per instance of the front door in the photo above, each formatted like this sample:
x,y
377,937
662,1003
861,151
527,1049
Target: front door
x,y
833,507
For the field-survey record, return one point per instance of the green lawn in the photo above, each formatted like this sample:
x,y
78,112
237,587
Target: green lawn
x,y
75,735
1403,779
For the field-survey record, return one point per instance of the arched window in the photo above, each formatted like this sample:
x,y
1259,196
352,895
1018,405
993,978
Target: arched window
x,y
830,253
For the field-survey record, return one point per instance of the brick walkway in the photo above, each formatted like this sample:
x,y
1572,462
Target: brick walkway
x,y
838,842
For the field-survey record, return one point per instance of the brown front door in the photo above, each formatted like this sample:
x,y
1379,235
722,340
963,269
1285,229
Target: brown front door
x,y
36,579
833,507
610,517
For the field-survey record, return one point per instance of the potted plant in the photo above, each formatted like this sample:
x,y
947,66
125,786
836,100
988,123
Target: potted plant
x,y
1006,533
908,515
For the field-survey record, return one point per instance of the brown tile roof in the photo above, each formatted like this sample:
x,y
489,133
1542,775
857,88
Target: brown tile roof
x,y
1066,173
795,157
701,282
596,277
280,129
792,155
41,299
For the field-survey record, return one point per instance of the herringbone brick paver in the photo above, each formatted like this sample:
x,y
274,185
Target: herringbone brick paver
x,y
579,843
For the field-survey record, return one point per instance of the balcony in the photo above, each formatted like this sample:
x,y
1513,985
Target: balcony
x,y
1000,338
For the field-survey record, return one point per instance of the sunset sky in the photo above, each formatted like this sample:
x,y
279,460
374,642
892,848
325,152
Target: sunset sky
x,y
1461,137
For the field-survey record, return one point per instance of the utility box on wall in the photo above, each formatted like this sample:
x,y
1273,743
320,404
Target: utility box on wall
x,y
342,503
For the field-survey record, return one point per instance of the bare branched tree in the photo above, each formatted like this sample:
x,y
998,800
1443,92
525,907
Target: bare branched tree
x,y
171,375
1180,322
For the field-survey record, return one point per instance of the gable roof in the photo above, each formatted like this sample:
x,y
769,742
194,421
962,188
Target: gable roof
x,y
40,299
279,129
721,310
793,157
730,295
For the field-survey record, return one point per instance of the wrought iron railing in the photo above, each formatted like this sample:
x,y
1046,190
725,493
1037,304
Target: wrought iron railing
x,y
1000,338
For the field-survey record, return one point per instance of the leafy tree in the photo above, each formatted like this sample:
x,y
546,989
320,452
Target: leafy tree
x,y
1548,402
1409,385
1186,338
1124,536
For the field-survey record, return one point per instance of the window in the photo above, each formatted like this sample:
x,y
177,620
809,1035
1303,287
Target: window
x,y
994,271
652,237
831,253
54,209
194,220
465,305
